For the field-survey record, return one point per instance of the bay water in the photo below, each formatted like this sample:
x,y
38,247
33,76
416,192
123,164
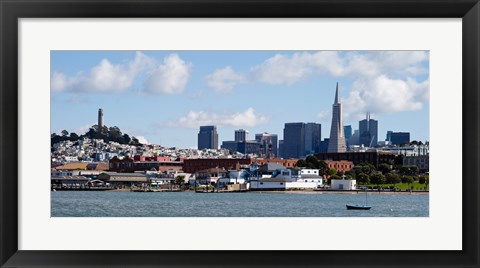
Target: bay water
x,y
246,204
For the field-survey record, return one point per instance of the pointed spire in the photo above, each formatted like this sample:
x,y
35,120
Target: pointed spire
x,y
337,100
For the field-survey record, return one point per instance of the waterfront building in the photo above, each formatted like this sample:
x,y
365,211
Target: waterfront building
x,y
398,138
241,135
195,164
409,150
336,143
343,184
289,163
294,140
313,137
100,120
208,137
128,164
368,129
268,144
373,157
421,161
124,180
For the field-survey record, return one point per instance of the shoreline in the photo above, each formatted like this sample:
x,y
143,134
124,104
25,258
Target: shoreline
x,y
341,192
306,192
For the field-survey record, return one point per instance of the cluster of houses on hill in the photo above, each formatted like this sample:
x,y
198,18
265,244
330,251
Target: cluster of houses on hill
x,y
204,174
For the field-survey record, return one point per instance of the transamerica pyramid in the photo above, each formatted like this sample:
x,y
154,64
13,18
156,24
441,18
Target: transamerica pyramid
x,y
336,143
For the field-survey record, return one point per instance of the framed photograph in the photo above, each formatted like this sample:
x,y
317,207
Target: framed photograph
x,y
253,134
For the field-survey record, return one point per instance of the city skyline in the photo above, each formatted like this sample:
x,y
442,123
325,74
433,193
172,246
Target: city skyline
x,y
165,96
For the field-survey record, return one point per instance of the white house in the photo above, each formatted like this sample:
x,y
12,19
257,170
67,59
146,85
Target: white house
x,y
305,183
343,184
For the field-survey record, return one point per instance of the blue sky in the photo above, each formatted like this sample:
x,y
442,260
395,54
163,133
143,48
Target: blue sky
x,y
164,96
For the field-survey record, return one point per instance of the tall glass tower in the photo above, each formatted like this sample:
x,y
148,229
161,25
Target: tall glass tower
x,y
337,137
208,137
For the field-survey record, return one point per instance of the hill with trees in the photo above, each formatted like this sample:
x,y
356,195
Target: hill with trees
x,y
106,134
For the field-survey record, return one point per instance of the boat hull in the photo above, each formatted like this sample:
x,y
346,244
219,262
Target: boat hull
x,y
357,207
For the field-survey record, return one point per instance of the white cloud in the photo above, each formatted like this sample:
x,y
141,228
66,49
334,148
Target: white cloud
x,y
104,77
141,139
171,77
385,95
283,69
224,80
194,119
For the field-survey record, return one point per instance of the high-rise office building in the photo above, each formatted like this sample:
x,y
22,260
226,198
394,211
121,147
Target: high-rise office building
x,y
347,130
281,149
324,145
368,131
294,140
268,144
241,135
398,138
100,120
337,144
313,137
354,139
208,137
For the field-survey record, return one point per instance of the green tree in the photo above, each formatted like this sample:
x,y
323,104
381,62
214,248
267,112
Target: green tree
x,y
335,177
74,136
351,174
331,172
423,179
384,168
363,178
393,178
180,181
407,179
64,133
126,138
408,170
377,178
366,168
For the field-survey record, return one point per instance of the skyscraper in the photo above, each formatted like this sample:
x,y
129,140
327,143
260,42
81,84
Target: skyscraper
x,y
398,138
368,131
313,137
241,135
208,137
293,140
347,130
336,144
100,120
268,144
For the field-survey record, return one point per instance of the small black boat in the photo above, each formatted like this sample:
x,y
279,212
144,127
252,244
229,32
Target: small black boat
x,y
359,207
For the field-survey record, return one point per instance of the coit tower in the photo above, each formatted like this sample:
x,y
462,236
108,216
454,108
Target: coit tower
x,y
100,120
336,144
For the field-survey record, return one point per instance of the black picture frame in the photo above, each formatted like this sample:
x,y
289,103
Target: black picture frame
x,y
11,11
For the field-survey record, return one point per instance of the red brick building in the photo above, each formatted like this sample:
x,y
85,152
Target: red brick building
x,y
197,164
289,163
341,165
151,158
130,165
